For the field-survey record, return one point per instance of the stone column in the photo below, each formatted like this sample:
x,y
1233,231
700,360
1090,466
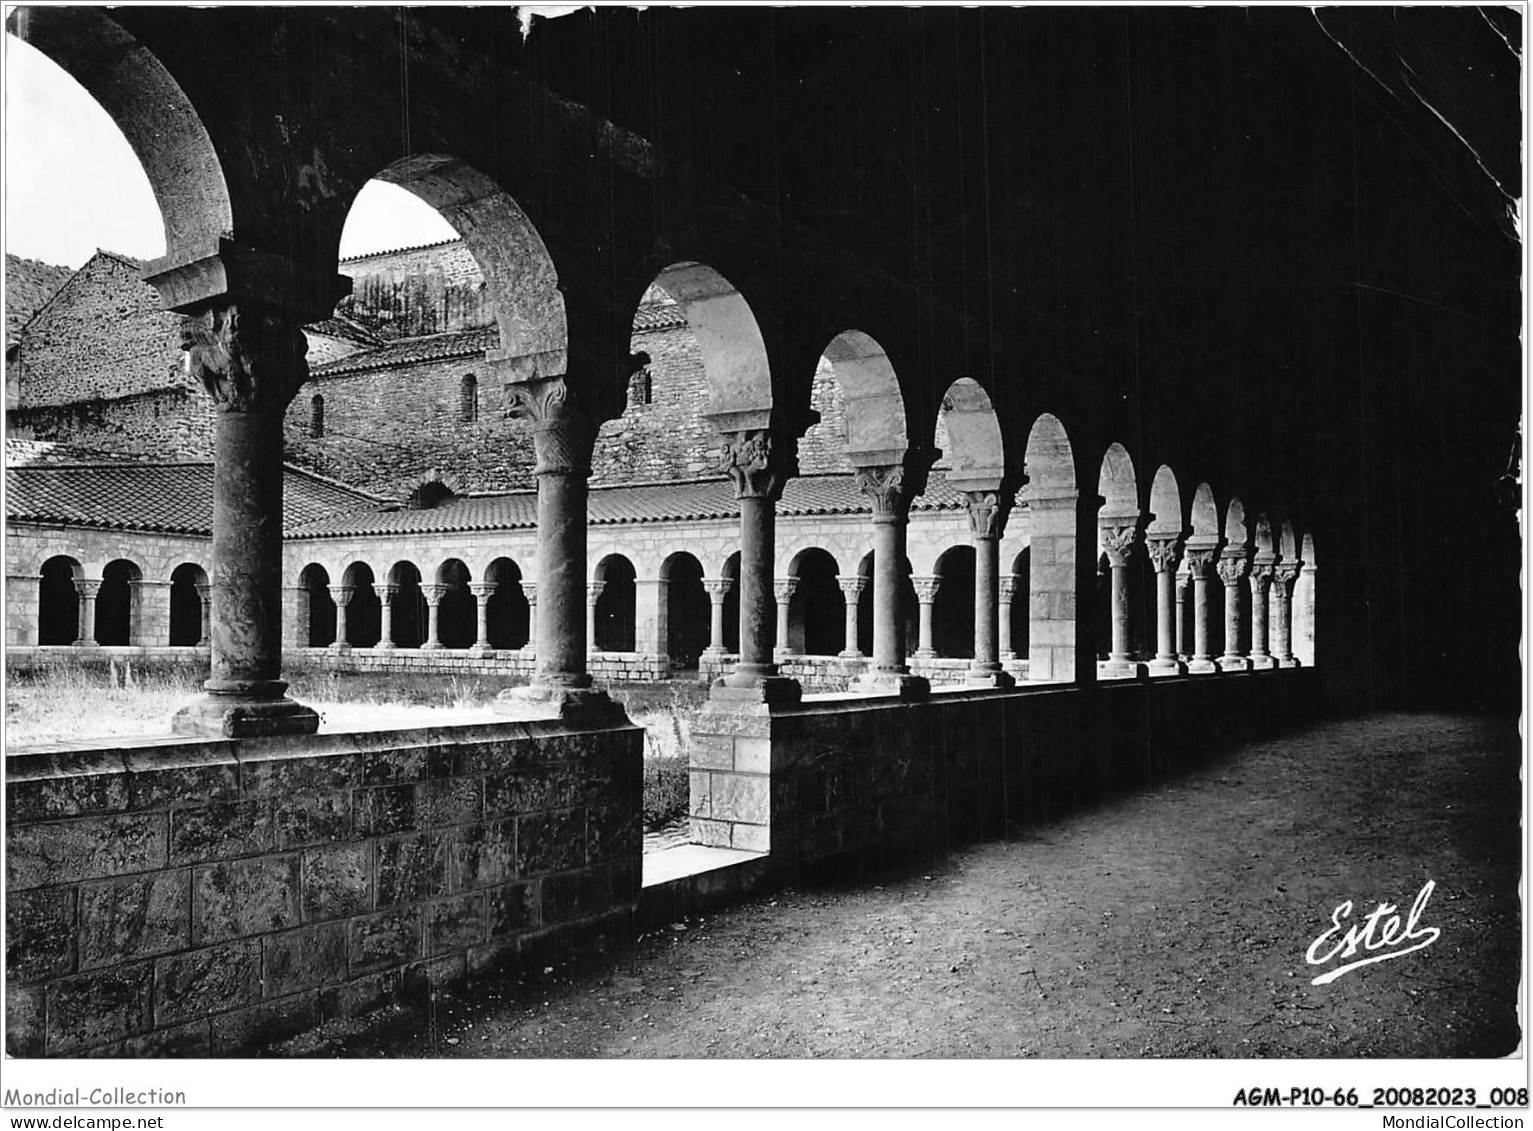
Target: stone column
x,y
593,594
1200,563
1283,578
562,437
23,609
433,595
888,674
1183,579
1233,565
926,588
205,596
851,591
88,588
652,618
386,595
718,589
1260,580
482,591
782,591
987,520
149,615
1118,543
530,591
1165,551
755,466
1006,591
341,595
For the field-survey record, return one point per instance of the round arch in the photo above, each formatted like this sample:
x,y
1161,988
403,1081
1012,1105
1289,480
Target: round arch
x,y
58,601
508,613
871,402
186,604
318,630
118,609
978,454
409,606
1052,498
688,609
728,337
817,610
953,606
457,614
364,612
616,607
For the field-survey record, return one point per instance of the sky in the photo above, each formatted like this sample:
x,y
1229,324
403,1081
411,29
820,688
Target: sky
x,y
72,184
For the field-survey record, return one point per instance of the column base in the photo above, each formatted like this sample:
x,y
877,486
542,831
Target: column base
x,y
1263,663
924,654
1234,664
748,688
385,646
902,684
1123,669
481,650
1007,655
1203,667
587,704
220,715
850,654
1289,662
85,644
988,677
1159,667
781,654
340,646
431,646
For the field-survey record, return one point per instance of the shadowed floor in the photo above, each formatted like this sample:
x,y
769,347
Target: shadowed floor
x,y
1172,923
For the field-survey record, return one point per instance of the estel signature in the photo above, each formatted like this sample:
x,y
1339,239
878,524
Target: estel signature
x,y
1390,940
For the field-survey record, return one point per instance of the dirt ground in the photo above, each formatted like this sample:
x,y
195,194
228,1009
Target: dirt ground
x,y
1168,924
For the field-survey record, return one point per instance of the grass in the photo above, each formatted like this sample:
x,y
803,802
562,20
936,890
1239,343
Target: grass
x,y
69,703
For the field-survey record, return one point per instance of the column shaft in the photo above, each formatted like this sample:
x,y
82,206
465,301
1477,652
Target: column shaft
x,y
386,595
563,627
757,531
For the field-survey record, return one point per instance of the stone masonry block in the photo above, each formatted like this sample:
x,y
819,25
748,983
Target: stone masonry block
x,y
155,783
135,918
751,838
547,842
389,938
614,831
239,898
512,908
711,751
740,797
65,796
304,958
698,785
92,1009
312,819
455,924
451,801
189,1040
202,982
481,855
266,774
39,934
337,881
389,809
264,1022
753,755
24,1016
410,868
219,831
714,834
85,848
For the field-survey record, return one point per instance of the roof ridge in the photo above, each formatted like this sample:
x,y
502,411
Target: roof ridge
x,y
399,250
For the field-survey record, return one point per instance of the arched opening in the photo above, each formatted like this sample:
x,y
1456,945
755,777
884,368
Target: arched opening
x,y
817,610
688,610
468,399
409,606
1101,609
616,608
186,604
732,604
977,459
1204,539
58,602
1237,541
1021,571
1118,542
953,608
364,614
314,580
910,607
117,611
1052,500
729,341
507,610
1304,604
317,417
861,408
457,615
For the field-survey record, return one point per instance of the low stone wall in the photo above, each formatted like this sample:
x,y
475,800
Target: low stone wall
x,y
196,897
877,779
817,674
123,663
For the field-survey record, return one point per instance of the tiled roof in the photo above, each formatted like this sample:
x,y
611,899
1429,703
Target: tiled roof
x,y
344,329
655,502
660,316
398,250
170,498
30,453
414,351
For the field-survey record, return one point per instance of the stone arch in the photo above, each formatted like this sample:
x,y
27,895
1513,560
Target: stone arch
x,y
1237,534
953,607
317,417
1262,540
1052,498
1165,503
1288,545
152,111
118,603
364,614
816,611
728,338
1117,484
616,605
58,601
872,403
1119,517
317,624
457,617
1021,572
186,614
687,607
1205,516
909,606
408,629
508,613
978,457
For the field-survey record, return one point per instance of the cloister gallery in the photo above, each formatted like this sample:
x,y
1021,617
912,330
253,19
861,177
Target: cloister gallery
x,y
978,444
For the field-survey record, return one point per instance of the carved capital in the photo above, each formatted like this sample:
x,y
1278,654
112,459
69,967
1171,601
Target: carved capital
x,y
885,486
247,356
718,588
204,589
1260,575
1199,562
1006,588
594,591
434,593
482,589
1164,552
752,464
1118,542
851,587
987,512
88,586
926,588
1232,568
387,593
561,435
1285,574
530,591
784,588
341,595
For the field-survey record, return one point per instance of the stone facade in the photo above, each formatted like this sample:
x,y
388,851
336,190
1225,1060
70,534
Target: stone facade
x,y
417,291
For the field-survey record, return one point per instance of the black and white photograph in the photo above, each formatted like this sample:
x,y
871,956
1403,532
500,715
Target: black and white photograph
x,y
936,538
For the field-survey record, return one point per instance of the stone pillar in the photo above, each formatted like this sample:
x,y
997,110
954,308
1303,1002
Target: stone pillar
x,y
205,597
1260,580
651,619
149,613
851,591
482,591
562,437
1164,552
433,595
1062,535
23,609
594,591
1233,565
1302,615
386,595
888,674
1283,578
756,468
718,589
1118,543
341,595
530,591
987,511
87,588
1183,579
249,357
1200,563
1006,591
782,591
926,588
